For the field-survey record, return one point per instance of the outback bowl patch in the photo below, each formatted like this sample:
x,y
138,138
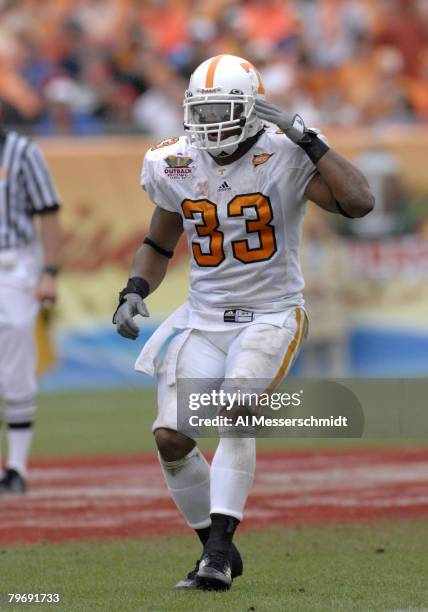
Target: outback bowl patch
x,y
178,161
178,166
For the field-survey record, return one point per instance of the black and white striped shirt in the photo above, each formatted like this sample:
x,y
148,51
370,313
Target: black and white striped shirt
x,y
26,188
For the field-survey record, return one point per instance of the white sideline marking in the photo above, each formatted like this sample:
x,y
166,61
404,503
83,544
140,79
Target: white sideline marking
x,y
266,482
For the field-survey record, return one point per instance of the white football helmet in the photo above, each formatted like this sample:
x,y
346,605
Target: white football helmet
x,y
219,104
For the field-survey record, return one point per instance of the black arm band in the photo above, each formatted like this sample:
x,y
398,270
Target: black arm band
x,y
158,248
137,285
342,212
313,146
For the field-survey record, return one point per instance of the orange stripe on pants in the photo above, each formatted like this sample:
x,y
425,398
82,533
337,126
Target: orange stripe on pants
x,y
291,350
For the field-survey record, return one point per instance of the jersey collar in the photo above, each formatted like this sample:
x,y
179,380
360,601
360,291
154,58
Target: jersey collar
x,y
243,148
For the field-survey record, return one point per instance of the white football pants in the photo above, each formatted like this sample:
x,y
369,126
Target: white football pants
x,y
258,351
18,312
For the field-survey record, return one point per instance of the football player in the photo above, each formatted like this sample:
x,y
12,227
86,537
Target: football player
x,y
237,184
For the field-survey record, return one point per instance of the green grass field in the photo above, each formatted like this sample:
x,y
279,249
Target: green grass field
x,y
361,567
311,569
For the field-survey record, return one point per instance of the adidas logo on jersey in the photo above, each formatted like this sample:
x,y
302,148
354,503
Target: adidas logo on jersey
x,y
224,187
236,315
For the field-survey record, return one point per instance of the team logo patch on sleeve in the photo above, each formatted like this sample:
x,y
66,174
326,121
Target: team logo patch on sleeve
x,y
178,166
164,143
261,158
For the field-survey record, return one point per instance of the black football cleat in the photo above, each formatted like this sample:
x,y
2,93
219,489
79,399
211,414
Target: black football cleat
x,y
214,573
12,483
190,581
236,566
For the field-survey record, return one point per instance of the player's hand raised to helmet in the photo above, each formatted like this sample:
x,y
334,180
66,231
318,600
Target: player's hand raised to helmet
x,y
292,125
123,318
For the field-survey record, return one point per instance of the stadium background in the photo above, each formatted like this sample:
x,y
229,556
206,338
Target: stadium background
x,y
357,69
96,82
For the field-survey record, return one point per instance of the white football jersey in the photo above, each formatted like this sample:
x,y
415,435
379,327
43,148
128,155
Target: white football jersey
x,y
243,220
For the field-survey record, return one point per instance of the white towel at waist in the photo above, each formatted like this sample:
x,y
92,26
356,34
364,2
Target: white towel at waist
x,y
146,360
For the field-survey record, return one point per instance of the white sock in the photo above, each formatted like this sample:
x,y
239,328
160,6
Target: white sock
x,y
19,442
188,482
232,474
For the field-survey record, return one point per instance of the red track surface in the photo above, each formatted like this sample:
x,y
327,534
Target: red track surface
x,y
112,497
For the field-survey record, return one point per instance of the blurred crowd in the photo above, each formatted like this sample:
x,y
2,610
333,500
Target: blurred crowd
x,y
94,66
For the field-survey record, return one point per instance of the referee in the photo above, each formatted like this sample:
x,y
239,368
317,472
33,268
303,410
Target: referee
x,y
30,240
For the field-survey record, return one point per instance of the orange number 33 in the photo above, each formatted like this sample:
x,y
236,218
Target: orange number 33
x,y
242,250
